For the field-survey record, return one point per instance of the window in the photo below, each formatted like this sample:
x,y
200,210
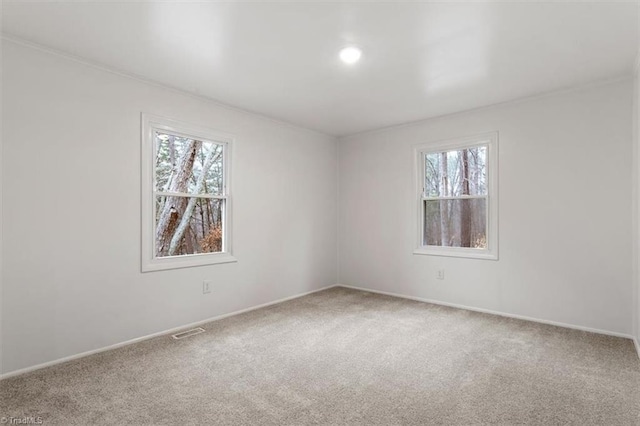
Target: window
x,y
458,198
186,203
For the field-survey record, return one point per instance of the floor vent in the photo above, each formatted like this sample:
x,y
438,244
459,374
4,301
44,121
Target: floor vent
x,y
187,333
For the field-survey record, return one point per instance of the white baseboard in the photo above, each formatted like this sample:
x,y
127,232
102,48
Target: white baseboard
x,y
275,302
150,336
502,314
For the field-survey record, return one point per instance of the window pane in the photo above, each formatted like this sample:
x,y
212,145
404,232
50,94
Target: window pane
x,y
208,170
187,165
456,223
456,173
188,225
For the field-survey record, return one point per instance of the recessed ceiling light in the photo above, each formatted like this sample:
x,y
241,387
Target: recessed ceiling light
x,y
350,55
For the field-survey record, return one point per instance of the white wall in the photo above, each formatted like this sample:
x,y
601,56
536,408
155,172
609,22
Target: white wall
x,y
636,209
636,197
1,225
636,216
70,172
565,232
72,279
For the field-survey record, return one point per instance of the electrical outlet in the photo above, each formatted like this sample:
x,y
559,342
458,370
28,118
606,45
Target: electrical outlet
x,y
206,287
440,274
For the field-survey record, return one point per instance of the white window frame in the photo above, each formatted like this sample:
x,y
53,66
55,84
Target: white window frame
x,y
490,140
149,261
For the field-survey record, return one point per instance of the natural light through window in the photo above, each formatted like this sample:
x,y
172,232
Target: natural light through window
x,y
457,192
187,181
189,185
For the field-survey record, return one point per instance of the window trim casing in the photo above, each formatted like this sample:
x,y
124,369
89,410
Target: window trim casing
x,y
149,262
489,139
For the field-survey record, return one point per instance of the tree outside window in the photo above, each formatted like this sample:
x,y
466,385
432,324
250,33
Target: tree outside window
x,y
187,181
458,197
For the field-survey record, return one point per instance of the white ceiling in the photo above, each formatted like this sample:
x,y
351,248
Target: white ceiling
x,y
281,59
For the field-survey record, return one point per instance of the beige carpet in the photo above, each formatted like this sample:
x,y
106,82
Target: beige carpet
x,y
345,357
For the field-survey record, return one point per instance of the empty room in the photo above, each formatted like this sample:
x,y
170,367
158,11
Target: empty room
x,y
320,213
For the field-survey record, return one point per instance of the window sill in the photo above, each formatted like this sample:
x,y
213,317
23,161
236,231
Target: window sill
x,y
457,252
176,262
